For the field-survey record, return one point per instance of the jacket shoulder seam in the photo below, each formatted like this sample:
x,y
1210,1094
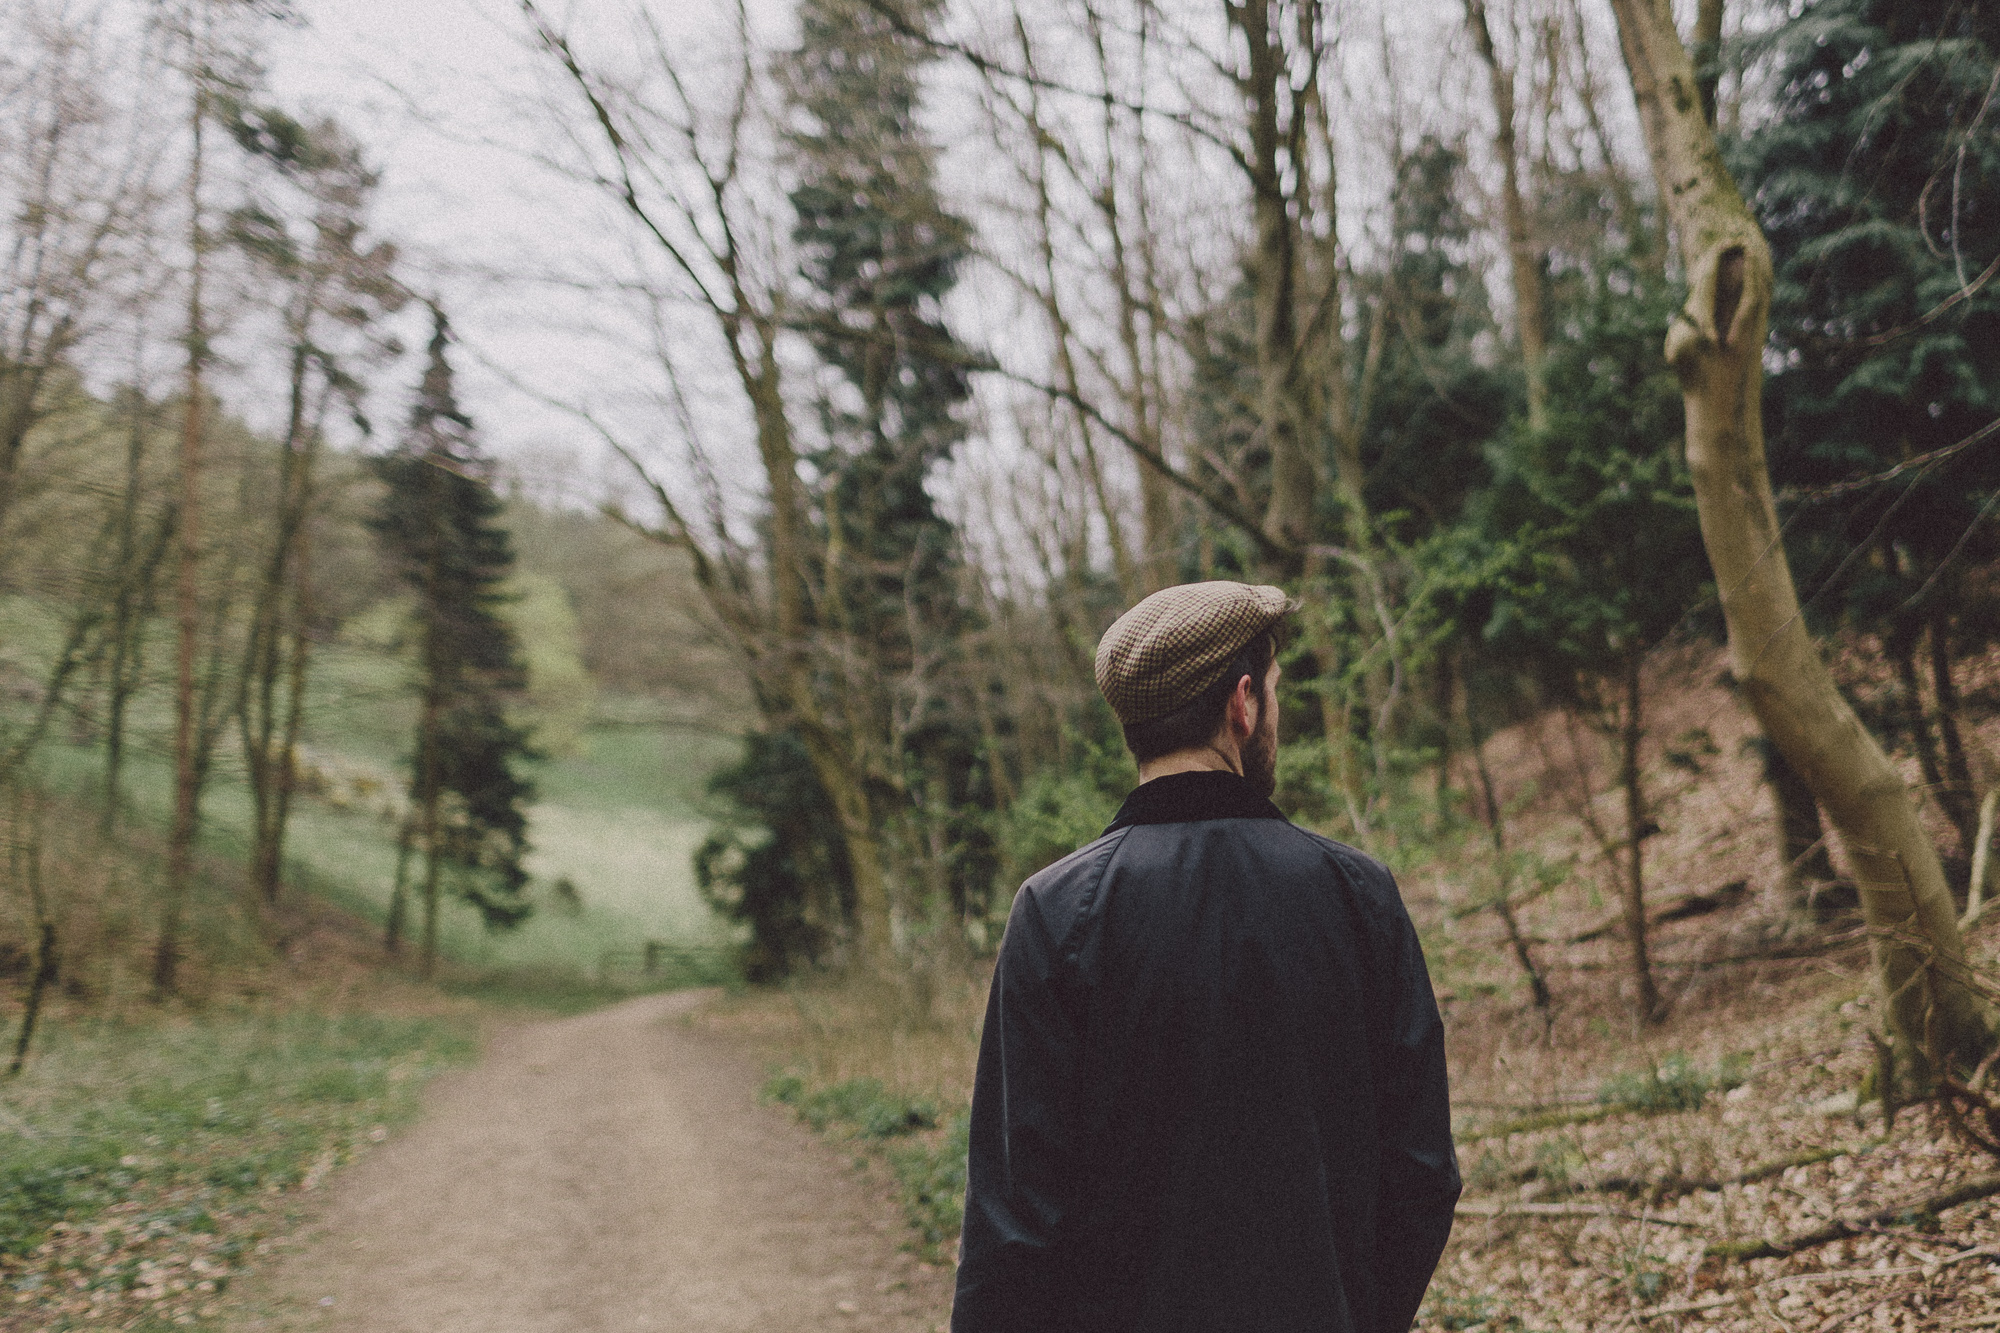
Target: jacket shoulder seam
x,y
1067,948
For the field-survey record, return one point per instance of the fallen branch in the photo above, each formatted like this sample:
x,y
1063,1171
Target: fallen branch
x,y
1803,1279
1689,1307
1674,909
1542,1120
1580,1210
1673,1187
1841,1228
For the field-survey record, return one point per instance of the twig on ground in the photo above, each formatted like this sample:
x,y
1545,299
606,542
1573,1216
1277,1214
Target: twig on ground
x,y
1832,1275
1544,1120
1585,1210
1672,1187
1840,1228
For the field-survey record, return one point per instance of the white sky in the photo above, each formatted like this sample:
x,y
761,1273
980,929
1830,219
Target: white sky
x,y
443,94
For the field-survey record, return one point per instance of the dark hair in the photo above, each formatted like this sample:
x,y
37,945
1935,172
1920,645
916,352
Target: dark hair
x,y
1196,723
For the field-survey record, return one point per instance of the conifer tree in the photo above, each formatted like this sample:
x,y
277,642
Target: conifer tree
x,y
438,521
879,252
1878,186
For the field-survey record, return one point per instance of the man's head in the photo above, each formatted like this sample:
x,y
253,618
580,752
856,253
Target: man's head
x,y
1191,673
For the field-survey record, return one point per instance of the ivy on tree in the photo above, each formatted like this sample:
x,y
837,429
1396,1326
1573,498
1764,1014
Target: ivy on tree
x,y
438,522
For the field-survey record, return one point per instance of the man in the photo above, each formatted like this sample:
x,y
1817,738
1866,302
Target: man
x,y
1211,1089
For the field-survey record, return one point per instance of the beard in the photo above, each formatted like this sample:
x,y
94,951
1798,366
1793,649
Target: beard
x,y
1260,760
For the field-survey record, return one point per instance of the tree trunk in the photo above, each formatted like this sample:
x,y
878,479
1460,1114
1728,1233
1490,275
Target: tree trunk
x,y
392,930
1954,790
187,625
1638,827
1717,351
1524,261
1804,865
875,945
427,952
1901,648
24,856
125,623
1708,55
272,859
1503,903
1274,262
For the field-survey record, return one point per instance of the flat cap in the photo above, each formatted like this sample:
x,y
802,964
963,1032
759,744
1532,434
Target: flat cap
x,y
1160,655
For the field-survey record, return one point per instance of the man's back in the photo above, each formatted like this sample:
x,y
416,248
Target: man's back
x,y
1211,1090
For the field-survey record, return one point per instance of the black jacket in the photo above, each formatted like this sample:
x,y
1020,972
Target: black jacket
x,y
1211,1089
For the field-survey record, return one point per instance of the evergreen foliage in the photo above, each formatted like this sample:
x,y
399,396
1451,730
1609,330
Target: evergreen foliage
x,y
1435,397
437,521
879,251
777,863
1877,181
1592,552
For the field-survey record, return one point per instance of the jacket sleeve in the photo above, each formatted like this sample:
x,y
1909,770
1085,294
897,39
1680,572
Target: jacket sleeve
x,y
1020,1170
1419,1183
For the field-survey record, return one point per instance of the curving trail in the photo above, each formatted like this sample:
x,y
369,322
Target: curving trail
x,y
599,1174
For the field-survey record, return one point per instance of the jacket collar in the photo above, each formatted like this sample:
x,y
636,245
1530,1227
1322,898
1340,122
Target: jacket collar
x,y
1183,798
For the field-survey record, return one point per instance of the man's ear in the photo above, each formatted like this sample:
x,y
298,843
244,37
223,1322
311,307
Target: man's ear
x,y
1245,708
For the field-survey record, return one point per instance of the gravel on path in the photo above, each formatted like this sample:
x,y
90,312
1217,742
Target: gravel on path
x,y
600,1174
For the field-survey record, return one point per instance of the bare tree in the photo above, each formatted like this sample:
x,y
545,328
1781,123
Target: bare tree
x,y
334,283
1524,258
679,176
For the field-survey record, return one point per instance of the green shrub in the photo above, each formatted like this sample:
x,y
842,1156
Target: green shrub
x,y
932,1179
861,1104
1673,1084
1060,810
929,1169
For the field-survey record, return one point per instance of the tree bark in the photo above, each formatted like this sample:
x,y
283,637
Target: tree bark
x,y
1954,790
1274,259
1638,827
187,624
1524,261
1716,348
1804,864
1708,55
392,929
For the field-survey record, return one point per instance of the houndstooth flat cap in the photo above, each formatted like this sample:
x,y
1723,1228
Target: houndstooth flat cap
x,y
1160,655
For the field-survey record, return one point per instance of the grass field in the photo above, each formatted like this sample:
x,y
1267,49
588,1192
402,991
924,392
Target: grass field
x,y
619,819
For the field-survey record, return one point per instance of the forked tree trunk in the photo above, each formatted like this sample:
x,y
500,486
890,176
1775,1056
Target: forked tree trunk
x,y
1716,348
1804,865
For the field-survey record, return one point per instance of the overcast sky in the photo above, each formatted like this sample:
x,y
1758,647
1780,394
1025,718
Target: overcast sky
x,y
446,96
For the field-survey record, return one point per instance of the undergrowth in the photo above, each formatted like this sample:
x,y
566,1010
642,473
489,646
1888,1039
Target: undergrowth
x,y
926,1157
139,1160
1674,1083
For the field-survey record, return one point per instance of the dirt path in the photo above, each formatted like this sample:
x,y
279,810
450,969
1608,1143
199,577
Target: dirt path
x,y
607,1172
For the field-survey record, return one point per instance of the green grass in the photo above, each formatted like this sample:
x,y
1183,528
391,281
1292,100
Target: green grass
x,y
139,1162
926,1157
1675,1083
620,820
